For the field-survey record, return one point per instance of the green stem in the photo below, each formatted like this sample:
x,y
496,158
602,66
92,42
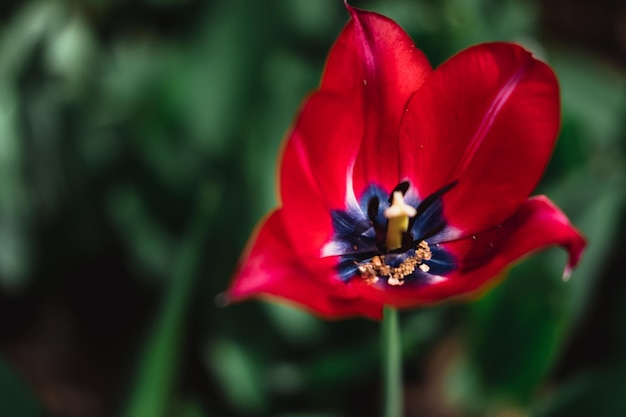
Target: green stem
x,y
160,359
392,365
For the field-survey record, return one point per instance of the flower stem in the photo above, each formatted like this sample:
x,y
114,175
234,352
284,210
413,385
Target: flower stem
x,y
160,360
392,364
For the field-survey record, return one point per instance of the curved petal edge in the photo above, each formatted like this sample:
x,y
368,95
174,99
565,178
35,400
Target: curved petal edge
x,y
270,269
537,224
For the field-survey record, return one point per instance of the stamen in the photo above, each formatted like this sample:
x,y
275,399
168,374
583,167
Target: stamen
x,y
398,215
376,268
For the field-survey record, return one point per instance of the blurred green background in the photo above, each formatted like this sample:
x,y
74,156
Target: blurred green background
x,y
138,145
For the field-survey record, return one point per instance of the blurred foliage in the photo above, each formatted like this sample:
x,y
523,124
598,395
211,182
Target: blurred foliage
x,y
138,146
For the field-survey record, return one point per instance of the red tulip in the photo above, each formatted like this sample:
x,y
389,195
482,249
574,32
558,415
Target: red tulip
x,y
406,186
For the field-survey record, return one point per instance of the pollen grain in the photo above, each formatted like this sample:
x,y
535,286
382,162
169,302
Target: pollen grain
x,y
376,268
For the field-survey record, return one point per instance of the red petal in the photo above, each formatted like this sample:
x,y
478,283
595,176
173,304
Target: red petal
x,y
536,224
314,177
371,72
271,268
488,117
376,66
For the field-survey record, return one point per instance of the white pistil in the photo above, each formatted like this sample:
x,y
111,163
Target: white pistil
x,y
398,220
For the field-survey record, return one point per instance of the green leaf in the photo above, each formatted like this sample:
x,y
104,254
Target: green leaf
x,y
148,244
238,375
596,393
297,326
157,373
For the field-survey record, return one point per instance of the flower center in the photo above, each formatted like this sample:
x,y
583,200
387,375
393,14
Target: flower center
x,y
376,267
387,240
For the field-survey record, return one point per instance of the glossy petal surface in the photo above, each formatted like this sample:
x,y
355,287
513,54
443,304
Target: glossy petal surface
x,y
377,66
314,170
487,118
349,126
271,268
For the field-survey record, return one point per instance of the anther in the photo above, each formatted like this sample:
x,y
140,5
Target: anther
x,y
377,267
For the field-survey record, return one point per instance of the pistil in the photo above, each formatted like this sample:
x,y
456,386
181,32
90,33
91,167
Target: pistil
x,y
398,220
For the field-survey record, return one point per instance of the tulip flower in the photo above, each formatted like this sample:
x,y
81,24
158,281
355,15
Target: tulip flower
x,y
403,185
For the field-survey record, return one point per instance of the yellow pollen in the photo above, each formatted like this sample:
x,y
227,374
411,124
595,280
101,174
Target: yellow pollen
x,y
376,268
398,220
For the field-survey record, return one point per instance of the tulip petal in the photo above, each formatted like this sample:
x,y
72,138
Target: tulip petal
x,y
371,72
315,174
271,268
537,223
487,118
376,66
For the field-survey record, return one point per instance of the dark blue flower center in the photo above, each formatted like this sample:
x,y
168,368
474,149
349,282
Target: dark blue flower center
x,y
360,240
